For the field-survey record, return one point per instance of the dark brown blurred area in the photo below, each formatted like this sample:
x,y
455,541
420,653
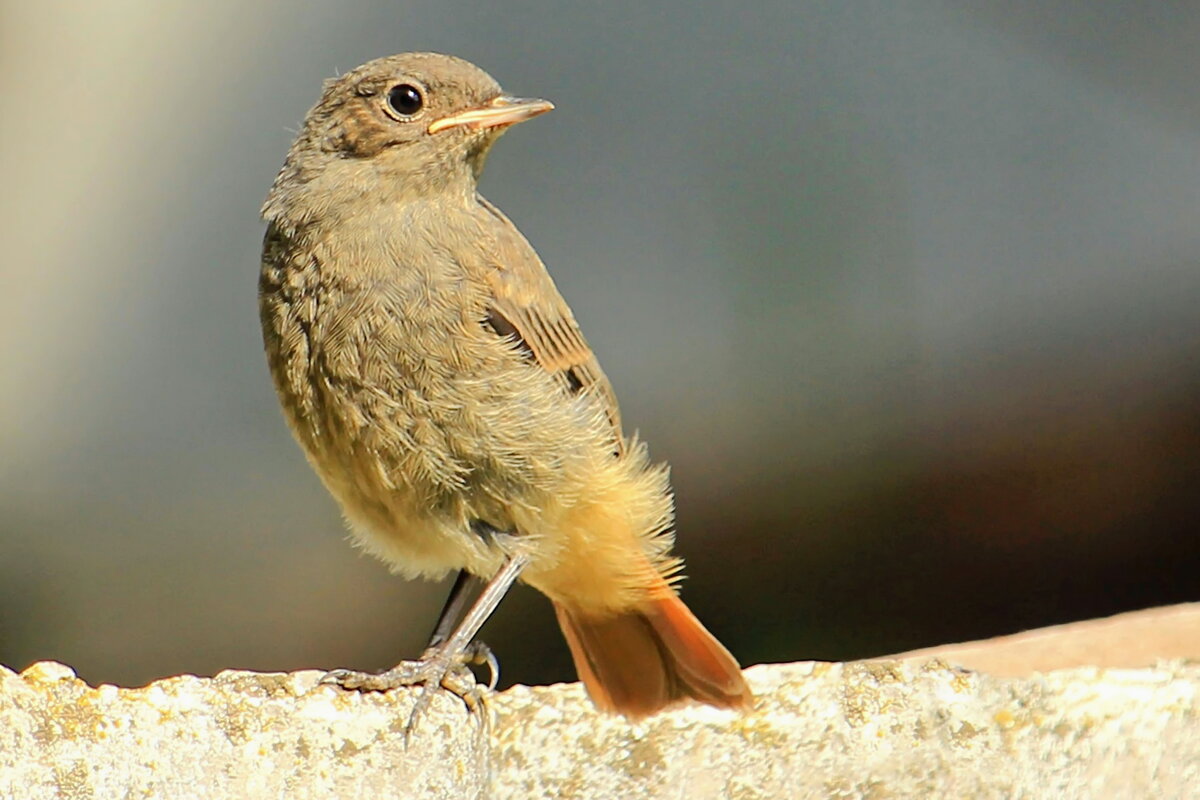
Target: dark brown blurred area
x,y
906,296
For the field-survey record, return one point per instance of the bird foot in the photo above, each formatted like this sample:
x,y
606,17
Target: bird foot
x,y
438,668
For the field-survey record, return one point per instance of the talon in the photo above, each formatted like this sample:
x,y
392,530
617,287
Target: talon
x,y
400,675
436,670
335,677
445,664
479,653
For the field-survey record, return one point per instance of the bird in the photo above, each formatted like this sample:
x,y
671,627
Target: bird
x,y
440,386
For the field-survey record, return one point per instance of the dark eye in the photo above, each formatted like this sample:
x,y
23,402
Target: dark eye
x,y
405,99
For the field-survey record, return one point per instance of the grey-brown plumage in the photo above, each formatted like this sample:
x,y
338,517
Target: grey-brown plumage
x,y
440,385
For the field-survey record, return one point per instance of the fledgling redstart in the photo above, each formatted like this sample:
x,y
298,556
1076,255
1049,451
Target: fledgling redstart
x,y
440,387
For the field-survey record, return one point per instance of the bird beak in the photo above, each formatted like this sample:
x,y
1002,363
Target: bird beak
x,y
501,111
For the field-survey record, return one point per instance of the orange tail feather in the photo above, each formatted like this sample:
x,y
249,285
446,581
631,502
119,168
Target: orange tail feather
x,y
640,661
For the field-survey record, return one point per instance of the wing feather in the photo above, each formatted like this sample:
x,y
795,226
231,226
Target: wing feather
x,y
527,307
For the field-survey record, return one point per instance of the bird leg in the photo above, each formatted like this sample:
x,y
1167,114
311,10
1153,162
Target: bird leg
x,y
446,662
456,601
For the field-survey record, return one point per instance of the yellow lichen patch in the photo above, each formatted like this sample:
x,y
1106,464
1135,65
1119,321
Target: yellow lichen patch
x,y
643,760
303,749
238,721
74,782
759,731
964,733
67,718
271,684
921,730
962,682
860,702
857,703
43,672
348,749
879,671
1005,719
861,695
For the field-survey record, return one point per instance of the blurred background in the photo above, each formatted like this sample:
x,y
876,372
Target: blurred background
x,y
906,294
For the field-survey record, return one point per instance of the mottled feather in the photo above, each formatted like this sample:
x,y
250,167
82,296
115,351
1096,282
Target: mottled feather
x,y
527,306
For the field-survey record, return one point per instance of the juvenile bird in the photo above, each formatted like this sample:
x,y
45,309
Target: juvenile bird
x,y
440,387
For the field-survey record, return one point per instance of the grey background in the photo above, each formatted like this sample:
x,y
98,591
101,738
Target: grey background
x,y
905,292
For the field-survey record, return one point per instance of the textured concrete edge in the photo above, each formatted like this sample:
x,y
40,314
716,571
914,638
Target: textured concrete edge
x,y
817,729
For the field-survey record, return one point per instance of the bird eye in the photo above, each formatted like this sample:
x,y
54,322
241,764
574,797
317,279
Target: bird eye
x,y
405,99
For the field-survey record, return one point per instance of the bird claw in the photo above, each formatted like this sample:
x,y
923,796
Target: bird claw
x,y
479,653
435,670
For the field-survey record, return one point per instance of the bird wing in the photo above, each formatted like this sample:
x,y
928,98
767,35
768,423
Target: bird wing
x,y
527,307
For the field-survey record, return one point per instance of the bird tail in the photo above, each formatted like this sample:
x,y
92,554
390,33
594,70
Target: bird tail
x,y
639,661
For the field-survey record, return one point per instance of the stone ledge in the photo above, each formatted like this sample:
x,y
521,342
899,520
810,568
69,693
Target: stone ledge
x,y
863,729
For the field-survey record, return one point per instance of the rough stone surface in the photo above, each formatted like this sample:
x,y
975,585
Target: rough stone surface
x,y
878,729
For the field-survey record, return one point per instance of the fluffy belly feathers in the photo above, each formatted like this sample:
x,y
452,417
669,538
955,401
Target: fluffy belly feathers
x,y
418,439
